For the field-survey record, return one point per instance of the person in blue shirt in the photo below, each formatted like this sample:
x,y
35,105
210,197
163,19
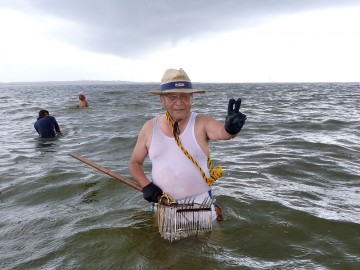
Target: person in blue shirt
x,y
46,125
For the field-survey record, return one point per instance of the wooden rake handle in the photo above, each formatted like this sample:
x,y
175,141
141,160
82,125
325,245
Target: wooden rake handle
x,y
106,171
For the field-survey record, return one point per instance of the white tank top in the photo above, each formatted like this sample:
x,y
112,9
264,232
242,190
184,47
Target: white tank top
x,y
172,171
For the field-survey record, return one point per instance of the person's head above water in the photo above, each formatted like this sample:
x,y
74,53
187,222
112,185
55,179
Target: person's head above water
x,y
43,113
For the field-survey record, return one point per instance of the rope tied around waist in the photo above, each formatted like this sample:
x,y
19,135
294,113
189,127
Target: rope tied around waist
x,y
215,173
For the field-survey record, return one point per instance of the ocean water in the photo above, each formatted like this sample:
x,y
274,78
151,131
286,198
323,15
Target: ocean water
x,y
290,196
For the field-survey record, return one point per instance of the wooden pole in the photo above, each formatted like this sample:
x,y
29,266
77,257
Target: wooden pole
x,y
106,171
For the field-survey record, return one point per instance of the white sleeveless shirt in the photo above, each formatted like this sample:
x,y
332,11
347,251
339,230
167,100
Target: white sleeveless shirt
x,y
172,171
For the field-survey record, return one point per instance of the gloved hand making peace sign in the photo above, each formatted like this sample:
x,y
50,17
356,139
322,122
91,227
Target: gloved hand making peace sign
x,y
234,119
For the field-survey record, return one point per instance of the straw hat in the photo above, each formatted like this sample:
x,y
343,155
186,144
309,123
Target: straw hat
x,y
176,81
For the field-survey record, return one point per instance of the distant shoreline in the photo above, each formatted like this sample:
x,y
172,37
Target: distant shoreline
x,y
83,82
96,82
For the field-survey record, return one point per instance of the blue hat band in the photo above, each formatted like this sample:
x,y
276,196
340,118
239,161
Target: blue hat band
x,y
174,85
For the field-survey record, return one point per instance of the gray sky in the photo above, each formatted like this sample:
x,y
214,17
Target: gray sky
x,y
224,41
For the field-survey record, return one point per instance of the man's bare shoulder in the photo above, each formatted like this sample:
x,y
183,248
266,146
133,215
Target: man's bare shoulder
x,y
148,123
213,128
145,135
147,127
202,122
204,119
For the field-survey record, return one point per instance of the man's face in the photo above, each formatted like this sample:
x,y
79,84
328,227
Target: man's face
x,y
178,104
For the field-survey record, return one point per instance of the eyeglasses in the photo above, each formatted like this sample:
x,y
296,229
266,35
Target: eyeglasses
x,y
186,98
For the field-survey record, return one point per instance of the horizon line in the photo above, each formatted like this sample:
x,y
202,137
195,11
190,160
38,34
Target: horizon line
x,y
144,82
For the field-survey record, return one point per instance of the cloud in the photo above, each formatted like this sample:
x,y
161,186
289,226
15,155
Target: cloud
x,y
135,28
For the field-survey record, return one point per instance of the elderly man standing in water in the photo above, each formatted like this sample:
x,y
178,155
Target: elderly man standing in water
x,y
177,143
46,125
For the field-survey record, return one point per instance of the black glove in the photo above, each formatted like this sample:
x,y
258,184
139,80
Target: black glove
x,y
234,119
151,192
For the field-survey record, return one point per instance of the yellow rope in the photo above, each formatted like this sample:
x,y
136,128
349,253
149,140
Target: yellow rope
x,y
215,173
166,199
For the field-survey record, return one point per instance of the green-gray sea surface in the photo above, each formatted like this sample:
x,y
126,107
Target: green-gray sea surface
x,y
290,196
